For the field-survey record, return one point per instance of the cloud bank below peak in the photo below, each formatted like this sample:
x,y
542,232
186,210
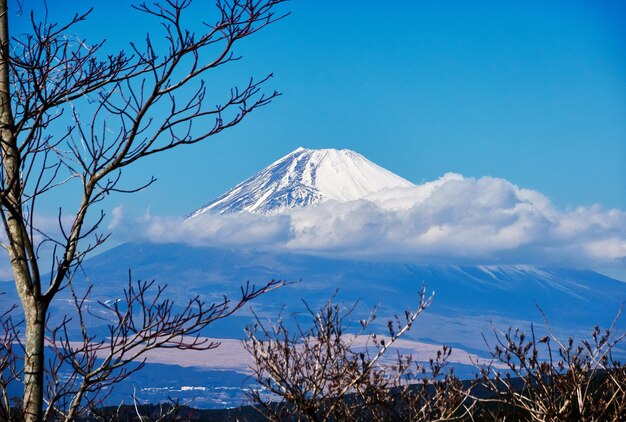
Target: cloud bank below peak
x,y
451,220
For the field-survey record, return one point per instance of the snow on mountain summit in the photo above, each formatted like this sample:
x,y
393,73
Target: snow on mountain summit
x,y
306,177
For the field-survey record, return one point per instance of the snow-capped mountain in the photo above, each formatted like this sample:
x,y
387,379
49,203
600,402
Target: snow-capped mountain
x,y
306,177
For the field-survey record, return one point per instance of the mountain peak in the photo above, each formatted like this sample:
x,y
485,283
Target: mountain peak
x,y
306,177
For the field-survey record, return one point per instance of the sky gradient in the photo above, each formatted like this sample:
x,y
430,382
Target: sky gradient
x,y
533,93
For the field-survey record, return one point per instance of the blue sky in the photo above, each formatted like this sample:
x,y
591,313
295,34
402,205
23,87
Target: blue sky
x,y
533,92
528,95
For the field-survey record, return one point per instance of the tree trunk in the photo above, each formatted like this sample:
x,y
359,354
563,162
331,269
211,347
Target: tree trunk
x,y
19,246
35,314
75,405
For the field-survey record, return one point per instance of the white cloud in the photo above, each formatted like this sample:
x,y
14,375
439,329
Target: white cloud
x,y
117,217
218,230
450,220
611,249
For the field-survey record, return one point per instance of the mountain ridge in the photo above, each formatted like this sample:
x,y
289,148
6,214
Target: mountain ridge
x,y
469,301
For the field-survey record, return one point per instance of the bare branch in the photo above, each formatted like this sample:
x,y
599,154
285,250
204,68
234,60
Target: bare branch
x,y
143,320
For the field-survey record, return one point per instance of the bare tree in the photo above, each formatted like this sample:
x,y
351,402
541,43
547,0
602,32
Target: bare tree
x,y
322,373
319,373
81,371
547,379
50,80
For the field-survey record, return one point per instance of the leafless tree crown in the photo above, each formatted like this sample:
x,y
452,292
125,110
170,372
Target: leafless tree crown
x,y
318,374
74,114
